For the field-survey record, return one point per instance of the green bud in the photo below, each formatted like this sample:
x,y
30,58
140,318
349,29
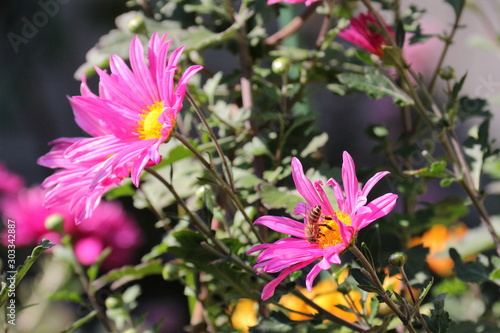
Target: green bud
x,y
170,272
344,288
137,25
55,222
447,73
113,302
281,65
398,259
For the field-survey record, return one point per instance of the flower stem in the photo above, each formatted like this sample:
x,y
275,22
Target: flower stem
x,y
89,290
214,140
381,291
448,41
416,310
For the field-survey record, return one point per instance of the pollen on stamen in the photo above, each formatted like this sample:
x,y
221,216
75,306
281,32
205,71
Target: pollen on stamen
x,y
330,233
149,127
343,217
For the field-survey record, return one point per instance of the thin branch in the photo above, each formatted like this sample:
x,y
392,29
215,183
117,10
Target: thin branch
x,y
448,41
293,26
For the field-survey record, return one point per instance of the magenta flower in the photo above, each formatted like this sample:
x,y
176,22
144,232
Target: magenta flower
x,y
134,114
308,2
10,183
362,32
110,227
326,232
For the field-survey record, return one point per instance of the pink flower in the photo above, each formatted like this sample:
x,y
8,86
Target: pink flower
x,y
10,183
308,2
134,114
110,227
326,232
362,32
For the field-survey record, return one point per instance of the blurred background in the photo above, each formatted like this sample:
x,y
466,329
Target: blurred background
x,y
37,63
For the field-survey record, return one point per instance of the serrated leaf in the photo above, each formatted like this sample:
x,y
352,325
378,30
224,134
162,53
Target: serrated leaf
x,y
24,268
473,272
439,321
375,85
126,274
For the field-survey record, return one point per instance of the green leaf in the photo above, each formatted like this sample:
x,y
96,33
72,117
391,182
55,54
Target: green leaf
x,y
439,321
416,260
452,286
473,272
457,5
273,197
117,41
376,85
67,295
276,323
426,289
393,56
80,322
360,278
23,269
125,274
93,270
469,107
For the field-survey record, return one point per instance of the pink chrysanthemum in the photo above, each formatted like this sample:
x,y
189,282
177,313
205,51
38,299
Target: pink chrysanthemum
x,y
326,232
308,2
10,183
110,227
361,32
135,113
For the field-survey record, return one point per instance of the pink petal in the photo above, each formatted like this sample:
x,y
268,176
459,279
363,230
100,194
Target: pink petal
x,y
303,184
282,224
350,181
269,289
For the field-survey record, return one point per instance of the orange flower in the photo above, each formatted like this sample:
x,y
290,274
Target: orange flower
x,y
436,239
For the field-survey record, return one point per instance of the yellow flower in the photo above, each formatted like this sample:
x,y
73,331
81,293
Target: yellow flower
x,y
244,314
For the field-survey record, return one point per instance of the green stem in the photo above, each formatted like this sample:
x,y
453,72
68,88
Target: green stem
x,y
417,307
221,183
381,291
100,313
214,140
448,41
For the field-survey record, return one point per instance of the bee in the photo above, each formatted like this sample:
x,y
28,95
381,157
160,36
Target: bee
x,y
312,228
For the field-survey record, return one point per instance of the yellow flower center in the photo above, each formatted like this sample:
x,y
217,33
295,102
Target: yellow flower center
x,y
149,127
329,232
343,217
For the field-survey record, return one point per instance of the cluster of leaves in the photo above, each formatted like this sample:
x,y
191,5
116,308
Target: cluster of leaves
x,y
259,138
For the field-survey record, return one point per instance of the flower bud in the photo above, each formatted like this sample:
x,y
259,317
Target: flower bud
x,y
281,65
344,288
55,222
398,259
447,73
137,25
113,302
